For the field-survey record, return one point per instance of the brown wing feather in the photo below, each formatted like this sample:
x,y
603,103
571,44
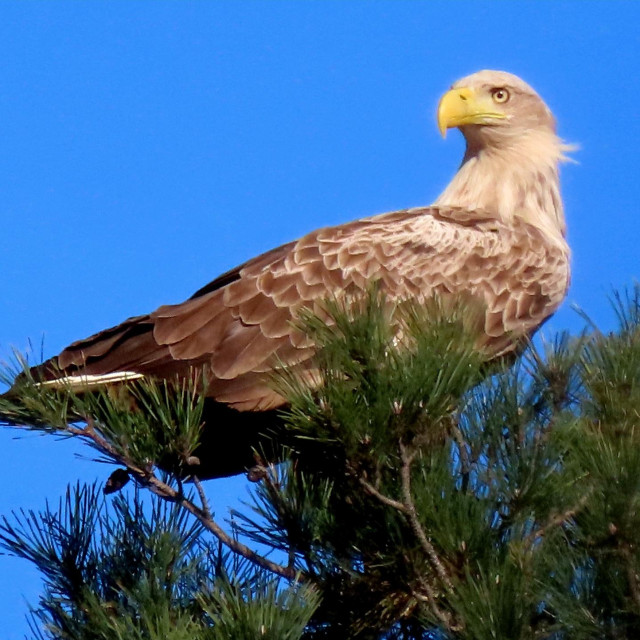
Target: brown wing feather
x,y
241,323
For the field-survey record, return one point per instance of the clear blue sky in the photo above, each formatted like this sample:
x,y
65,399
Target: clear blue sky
x,y
145,147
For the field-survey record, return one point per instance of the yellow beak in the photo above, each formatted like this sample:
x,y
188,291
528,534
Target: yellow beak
x,y
463,106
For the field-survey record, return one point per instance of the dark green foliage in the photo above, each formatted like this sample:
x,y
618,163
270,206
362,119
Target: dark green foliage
x,y
135,569
426,495
258,611
148,423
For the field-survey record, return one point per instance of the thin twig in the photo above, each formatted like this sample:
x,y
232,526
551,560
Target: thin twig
x,y
465,460
632,574
206,510
272,486
430,550
558,519
165,491
431,601
390,502
274,489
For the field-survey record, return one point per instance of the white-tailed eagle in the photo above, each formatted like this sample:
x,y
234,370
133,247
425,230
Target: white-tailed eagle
x,y
497,233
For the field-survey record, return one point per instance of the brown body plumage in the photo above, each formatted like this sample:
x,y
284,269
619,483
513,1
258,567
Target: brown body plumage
x,y
495,234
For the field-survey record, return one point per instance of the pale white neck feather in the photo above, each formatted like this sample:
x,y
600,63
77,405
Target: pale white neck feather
x,y
516,178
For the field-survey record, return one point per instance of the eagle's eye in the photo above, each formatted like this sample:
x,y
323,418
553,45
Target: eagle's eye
x,y
500,95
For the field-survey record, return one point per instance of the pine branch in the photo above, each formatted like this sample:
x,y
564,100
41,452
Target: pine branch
x,y
206,510
431,600
405,474
473,517
632,574
558,519
147,478
273,487
465,458
390,502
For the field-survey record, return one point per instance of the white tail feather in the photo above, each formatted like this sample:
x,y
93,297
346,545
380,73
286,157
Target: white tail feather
x,y
89,381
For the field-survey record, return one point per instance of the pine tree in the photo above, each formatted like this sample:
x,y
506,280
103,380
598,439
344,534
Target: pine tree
x,y
423,494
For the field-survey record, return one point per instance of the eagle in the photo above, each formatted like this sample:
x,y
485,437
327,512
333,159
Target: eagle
x,y
496,234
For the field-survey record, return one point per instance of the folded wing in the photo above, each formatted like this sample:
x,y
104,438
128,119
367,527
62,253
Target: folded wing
x,y
241,325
